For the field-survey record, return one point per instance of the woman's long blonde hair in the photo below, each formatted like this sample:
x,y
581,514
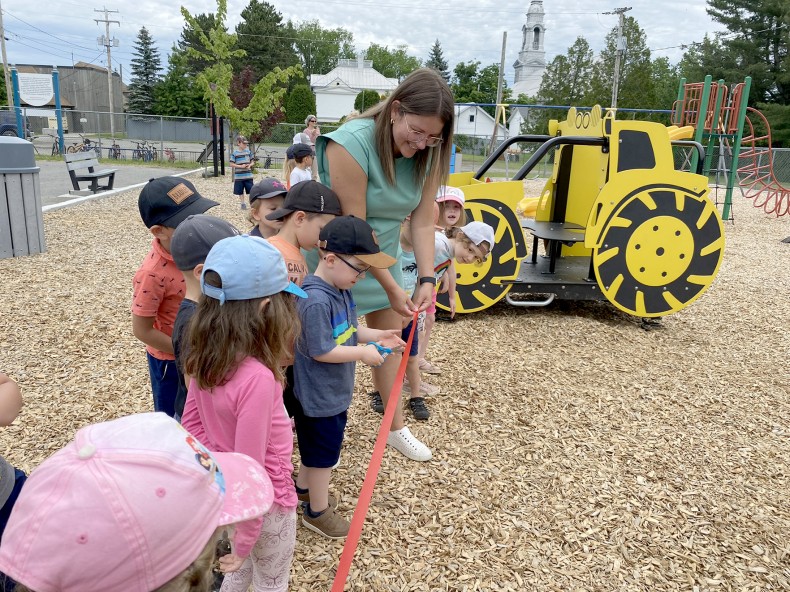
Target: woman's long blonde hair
x,y
221,336
423,92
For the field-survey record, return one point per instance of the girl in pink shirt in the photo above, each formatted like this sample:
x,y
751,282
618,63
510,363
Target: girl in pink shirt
x,y
244,326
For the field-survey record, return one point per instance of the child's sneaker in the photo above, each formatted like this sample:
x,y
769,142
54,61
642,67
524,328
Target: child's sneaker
x,y
418,408
428,367
305,499
426,390
404,442
375,402
328,523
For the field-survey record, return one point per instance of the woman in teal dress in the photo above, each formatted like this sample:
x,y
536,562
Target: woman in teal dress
x,y
384,165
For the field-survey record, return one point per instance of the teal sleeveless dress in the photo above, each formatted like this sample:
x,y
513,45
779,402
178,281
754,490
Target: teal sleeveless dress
x,y
387,205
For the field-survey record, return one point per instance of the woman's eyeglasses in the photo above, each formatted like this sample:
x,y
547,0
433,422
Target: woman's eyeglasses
x,y
416,137
354,267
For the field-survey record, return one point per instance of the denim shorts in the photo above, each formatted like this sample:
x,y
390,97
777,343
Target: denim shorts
x,y
319,438
241,186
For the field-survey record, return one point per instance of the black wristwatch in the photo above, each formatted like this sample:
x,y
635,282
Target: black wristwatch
x,y
428,279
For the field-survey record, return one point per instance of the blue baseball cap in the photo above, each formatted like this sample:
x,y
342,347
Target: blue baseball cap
x,y
249,267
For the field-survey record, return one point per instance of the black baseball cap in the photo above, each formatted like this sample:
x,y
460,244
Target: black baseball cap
x,y
308,196
301,150
195,236
289,152
168,201
349,235
266,188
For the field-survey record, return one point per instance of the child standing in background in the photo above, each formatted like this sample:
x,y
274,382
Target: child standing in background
x,y
326,356
158,284
11,478
451,214
190,246
241,162
245,325
267,196
303,156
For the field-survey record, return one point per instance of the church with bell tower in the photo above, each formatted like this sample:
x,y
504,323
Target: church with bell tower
x,y
531,63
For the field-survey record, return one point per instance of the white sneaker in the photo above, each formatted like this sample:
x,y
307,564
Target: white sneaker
x,y
404,442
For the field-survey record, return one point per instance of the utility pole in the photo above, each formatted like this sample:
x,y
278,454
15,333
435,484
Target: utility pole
x,y
109,44
619,52
8,92
499,85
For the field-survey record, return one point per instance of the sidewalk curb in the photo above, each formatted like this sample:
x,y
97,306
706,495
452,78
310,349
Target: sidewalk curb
x,y
79,200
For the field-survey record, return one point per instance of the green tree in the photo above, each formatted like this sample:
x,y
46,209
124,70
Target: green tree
x,y
394,63
437,62
760,43
366,99
300,104
635,88
566,82
710,56
177,94
473,85
266,41
215,79
146,65
665,84
3,95
319,49
192,37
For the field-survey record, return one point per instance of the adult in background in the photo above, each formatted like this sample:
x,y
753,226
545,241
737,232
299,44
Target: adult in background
x,y
384,165
312,131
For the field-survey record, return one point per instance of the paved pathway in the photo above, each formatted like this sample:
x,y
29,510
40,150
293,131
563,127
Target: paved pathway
x,y
55,182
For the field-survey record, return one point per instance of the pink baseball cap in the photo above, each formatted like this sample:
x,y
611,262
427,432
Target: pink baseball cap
x,y
127,505
447,193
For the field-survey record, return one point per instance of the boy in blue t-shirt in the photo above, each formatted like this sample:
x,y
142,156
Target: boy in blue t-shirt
x,y
325,358
241,163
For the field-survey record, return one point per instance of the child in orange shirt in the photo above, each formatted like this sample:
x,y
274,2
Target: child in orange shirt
x,y
158,284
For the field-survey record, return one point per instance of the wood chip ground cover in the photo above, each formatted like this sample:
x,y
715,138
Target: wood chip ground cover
x,y
573,450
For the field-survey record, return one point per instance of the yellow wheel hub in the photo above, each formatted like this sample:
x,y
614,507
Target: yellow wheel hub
x,y
659,251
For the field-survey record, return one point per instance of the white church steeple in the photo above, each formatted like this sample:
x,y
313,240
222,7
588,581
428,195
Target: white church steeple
x,y
531,63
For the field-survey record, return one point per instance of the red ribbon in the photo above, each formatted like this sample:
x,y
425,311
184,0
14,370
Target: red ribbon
x,y
361,511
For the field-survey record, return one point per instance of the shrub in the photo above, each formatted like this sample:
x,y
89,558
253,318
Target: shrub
x,y
300,104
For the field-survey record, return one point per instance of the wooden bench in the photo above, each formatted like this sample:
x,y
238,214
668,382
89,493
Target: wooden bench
x,y
82,165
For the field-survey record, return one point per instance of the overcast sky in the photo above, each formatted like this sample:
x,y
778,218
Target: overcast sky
x,y
63,32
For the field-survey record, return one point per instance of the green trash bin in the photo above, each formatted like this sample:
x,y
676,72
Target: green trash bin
x,y
21,220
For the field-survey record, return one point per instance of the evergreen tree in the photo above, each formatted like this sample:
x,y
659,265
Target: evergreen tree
x,y
177,94
146,65
267,42
760,43
300,104
193,38
437,62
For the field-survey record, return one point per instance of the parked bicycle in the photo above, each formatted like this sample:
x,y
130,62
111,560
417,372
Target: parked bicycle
x,y
87,145
170,155
144,151
114,151
55,145
267,157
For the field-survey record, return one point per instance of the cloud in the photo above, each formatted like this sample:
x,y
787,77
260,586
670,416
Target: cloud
x,y
467,30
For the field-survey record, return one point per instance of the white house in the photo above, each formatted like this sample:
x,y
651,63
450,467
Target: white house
x,y
335,91
472,120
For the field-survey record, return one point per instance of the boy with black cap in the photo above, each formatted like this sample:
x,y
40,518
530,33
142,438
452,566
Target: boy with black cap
x,y
189,247
303,155
266,196
326,354
158,285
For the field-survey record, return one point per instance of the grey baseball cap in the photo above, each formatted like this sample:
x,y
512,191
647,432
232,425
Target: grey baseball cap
x,y
194,237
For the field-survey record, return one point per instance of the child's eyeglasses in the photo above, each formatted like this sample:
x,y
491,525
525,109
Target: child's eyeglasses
x,y
416,137
354,267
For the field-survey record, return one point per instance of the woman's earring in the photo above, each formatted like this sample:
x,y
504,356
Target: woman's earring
x,y
392,121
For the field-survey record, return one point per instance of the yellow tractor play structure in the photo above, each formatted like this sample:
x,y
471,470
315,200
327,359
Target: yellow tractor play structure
x,y
616,220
